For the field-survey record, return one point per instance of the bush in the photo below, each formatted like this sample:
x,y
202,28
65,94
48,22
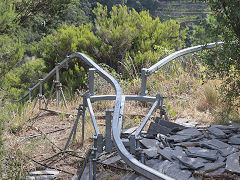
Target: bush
x,y
127,34
63,42
17,81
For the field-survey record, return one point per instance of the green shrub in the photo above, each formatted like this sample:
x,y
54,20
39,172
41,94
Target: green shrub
x,y
17,81
63,42
128,34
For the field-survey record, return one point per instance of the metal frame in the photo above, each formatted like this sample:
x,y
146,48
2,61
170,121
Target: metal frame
x,y
118,111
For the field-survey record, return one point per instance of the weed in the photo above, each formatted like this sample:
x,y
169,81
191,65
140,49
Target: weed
x,y
209,96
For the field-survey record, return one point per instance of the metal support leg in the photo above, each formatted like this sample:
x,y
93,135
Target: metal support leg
x,y
40,96
83,121
98,140
121,116
93,165
57,83
142,157
162,109
49,96
57,94
108,135
35,103
91,81
132,144
74,126
100,143
90,168
94,122
64,99
30,94
139,149
144,81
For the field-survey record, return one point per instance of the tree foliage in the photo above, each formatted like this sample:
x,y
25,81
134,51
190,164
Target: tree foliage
x,y
65,41
22,22
224,62
127,32
29,73
11,50
114,39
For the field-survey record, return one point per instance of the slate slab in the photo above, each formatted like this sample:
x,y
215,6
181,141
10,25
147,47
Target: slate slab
x,y
197,138
175,172
166,153
133,176
217,172
156,128
149,143
216,132
232,163
234,139
192,163
192,132
112,160
214,144
190,124
236,146
208,167
141,178
178,151
179,138
226,151
154,163
188,144
170,125
181,120
202,152
162,168
151,152
220,158
129,131
45,177
44,174
226,129
193,178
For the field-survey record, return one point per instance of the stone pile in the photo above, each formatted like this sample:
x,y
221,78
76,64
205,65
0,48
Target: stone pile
x,y
182,153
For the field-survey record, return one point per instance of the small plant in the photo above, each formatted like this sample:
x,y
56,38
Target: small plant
x,y
210,97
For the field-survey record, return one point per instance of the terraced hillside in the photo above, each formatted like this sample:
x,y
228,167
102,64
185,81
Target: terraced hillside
x,y
188,12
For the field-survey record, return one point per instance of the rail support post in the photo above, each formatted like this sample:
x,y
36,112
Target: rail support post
x,y
139,150
161,107
30,95
144,81
108,136
92,164
83,120
40,95
132,144
91,81
73,131
57,85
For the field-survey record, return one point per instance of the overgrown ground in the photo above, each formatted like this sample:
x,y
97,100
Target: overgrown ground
x,y
188,97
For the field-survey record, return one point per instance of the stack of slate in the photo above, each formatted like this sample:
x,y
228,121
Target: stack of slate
x,y
181,152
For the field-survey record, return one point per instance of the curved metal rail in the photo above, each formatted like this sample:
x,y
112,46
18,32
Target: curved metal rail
x,y
119,103
155,67
126,156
